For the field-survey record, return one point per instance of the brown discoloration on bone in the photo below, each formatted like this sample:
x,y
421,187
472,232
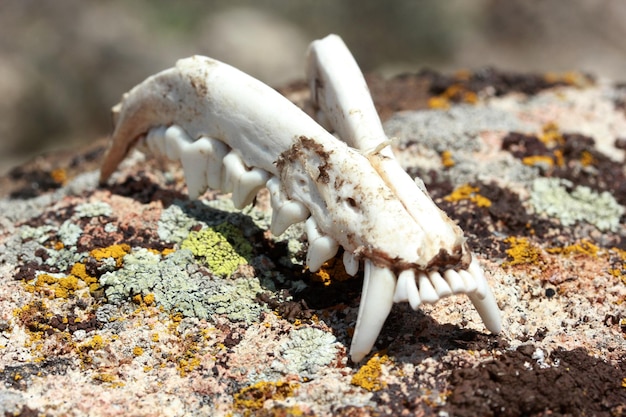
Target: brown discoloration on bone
x,y
458,259
301,150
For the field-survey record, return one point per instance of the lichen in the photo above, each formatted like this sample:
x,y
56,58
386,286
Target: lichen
x,y
370,374
468,192
521,252
69,233
95,209
174,224
551,196
252,398
222,248
306,352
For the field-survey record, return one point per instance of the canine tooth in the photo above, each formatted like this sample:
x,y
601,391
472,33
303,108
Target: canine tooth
x,y
376,301
285,212
457,284
321,248
488,310
234,168
470,282
350,263
441,286
479,276
427,291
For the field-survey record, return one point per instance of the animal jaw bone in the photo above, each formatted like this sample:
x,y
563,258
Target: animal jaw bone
x,y
234,133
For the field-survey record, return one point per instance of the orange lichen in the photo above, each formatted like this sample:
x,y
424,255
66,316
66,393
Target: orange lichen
x,y
59,176
585,247
137,351
332,270
538,160
369,376
116,252
587,159
521,252
446,159
438,103
467,192
551,136
252,398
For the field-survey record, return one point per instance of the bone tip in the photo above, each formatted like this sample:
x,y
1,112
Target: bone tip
x,y
357,355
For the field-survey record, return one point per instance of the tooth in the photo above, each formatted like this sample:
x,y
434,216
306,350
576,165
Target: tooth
x,y
350,263
457,285
376,301
321,248
175,139
470,283
234,169
248,185
194,160
156,140
401,294
218,151
427,292
284,212
441,286
488,310
479,276
406,289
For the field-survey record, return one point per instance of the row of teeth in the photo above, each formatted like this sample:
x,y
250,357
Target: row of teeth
x,y
210,163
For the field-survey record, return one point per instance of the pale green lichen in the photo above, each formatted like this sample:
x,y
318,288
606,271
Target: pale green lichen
x,y
222,248
178,285
306,352
174,224
69,233
550,196
95,209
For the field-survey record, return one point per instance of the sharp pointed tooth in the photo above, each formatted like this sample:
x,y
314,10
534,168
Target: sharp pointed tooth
x,y
427,291
234,169
479,276
350,263
457,285
285,212
248,185
488,310
441,286
376,301
470,282
411,289
156,140
175,139
321,248
401,293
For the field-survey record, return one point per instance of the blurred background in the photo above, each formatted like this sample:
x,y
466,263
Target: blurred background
x,y
64,63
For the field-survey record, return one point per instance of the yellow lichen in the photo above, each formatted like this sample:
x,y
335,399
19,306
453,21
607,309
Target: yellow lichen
x,y
252,398
538,160
551,136
521,252
438,103
59,176
332,270
137,351
585,247
587,159
369,376
467,192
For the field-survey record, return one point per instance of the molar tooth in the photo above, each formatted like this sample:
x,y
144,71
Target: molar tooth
x,y
218,152
457,284
155,140
248,185
350,263
285,212
488,310
441,286
234,168
376,301
426,289
470,282
175,140
321,248
196,158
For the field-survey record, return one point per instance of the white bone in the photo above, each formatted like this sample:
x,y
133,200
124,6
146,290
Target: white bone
x,y
234,168
479,276
427,291
350,263
175,139
284,212
376,302
155,140
321,248
488,310
470,281
441,286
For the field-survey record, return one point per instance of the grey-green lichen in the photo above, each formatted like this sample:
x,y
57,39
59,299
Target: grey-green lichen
x,y
174,224
69,233
94,209
551,196
178,284
306,352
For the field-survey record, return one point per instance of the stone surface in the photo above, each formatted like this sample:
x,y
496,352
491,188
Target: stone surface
x,y
102,312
